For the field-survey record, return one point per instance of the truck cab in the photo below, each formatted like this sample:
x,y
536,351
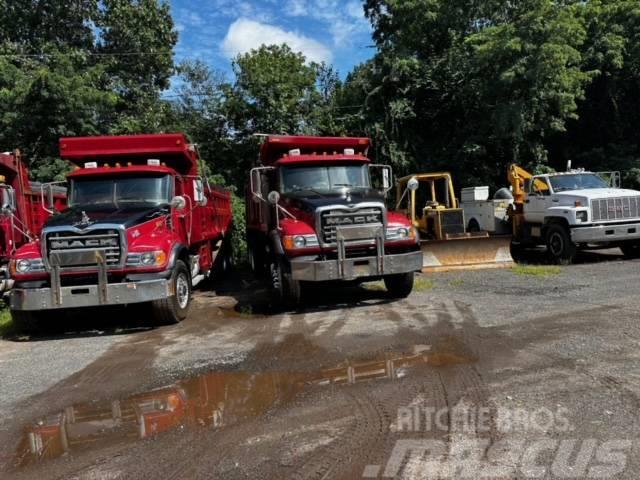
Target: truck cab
x,y
142,226
316,212
575,209
24,208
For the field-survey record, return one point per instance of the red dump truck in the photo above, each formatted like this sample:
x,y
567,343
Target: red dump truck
x,y
316,212
142,226
25,206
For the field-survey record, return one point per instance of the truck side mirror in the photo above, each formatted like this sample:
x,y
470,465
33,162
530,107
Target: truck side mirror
x,y
413,184
255,181
198,192
273,197
178,203
387,176
8,200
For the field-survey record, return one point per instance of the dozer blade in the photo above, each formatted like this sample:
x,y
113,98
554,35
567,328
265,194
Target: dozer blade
x,y
470,253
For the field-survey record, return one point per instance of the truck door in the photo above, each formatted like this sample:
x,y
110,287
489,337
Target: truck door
x,y
537,201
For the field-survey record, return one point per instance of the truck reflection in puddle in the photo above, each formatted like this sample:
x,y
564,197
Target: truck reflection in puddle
x,y
213,400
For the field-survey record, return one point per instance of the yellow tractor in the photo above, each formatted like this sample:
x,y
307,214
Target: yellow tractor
x,y
429,201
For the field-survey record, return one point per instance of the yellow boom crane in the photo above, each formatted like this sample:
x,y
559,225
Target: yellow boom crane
x,y
429,201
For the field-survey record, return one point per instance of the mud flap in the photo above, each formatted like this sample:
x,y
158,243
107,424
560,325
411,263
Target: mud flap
x,y
466,254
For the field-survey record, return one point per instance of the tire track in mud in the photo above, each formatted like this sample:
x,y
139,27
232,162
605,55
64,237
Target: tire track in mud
x,y
451,378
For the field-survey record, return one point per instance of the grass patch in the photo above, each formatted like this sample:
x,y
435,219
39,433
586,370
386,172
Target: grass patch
x,y
6,323
456,282
422,284
537,270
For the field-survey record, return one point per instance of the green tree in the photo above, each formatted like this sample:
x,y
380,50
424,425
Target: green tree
x,y
81,68
470,86
605,134
274,91
136,47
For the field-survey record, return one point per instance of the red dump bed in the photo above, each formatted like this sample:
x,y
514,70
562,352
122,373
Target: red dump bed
x,y
277,147
173,149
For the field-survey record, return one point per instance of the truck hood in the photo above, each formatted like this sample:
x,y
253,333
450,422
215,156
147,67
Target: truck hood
x,y
126,216
308,203
598,193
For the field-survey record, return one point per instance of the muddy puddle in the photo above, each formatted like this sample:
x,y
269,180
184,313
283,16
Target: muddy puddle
x,y
213,400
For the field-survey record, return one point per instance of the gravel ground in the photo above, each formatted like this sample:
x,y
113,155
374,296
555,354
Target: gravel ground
x,y
343,387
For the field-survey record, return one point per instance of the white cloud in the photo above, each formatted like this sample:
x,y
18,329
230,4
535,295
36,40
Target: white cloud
x,y
344,20
297,8
244,35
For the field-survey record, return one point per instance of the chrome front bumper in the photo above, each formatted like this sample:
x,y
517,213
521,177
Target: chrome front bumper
x,y
352,268
89,295
606,233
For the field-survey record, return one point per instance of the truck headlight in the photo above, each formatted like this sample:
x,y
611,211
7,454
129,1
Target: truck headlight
x,y
299,241
28,265
147,259
582,216
292,242
23,266
400,233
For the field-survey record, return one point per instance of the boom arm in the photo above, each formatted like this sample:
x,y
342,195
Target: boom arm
x,y
517,178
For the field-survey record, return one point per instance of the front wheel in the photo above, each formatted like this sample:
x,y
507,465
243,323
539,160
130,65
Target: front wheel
x,y
175,308
631,250
26,321
561,248
400,285
285,292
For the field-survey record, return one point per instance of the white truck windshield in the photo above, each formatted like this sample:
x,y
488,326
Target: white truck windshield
x,y
122,190
325,178
578,181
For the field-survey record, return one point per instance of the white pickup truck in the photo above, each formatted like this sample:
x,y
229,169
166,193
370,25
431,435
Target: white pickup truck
x,y
570,210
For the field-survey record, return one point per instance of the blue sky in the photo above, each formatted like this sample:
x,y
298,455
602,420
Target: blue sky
x,y
214,31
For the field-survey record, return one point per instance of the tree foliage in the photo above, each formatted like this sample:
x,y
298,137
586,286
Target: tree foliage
x,y
81,68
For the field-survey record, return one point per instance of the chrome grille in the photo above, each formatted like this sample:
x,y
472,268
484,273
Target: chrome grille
x,y
73,249
620,208
330,220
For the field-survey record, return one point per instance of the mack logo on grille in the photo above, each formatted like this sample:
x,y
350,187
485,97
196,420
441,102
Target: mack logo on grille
x,y
85,243
352,220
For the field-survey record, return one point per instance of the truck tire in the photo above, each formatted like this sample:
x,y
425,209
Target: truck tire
x,y
285,292
518,252
256,260
26,321
474,226
400,285
175,308
631,250
560,247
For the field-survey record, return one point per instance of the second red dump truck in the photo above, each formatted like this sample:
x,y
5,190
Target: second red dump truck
x,y
142,225
315,213
24,208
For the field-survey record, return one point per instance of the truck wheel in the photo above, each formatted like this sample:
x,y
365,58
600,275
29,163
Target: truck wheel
x,y
559,245
400,285
518,252
285,292
256,259
474,226
631,250
25,321
174,309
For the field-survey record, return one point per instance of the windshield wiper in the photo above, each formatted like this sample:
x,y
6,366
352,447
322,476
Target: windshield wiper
x,y
307,189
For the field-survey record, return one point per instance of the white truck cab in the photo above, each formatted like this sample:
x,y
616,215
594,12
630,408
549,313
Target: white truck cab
x,y
571,210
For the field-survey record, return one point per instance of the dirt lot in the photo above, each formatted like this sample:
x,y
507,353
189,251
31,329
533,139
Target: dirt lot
x,y
486,374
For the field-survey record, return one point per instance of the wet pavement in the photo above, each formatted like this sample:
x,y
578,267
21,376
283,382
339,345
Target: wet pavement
x,y
476,374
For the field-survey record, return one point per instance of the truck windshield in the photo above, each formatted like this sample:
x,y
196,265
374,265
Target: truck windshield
x,y
578,181
325,178
120,191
